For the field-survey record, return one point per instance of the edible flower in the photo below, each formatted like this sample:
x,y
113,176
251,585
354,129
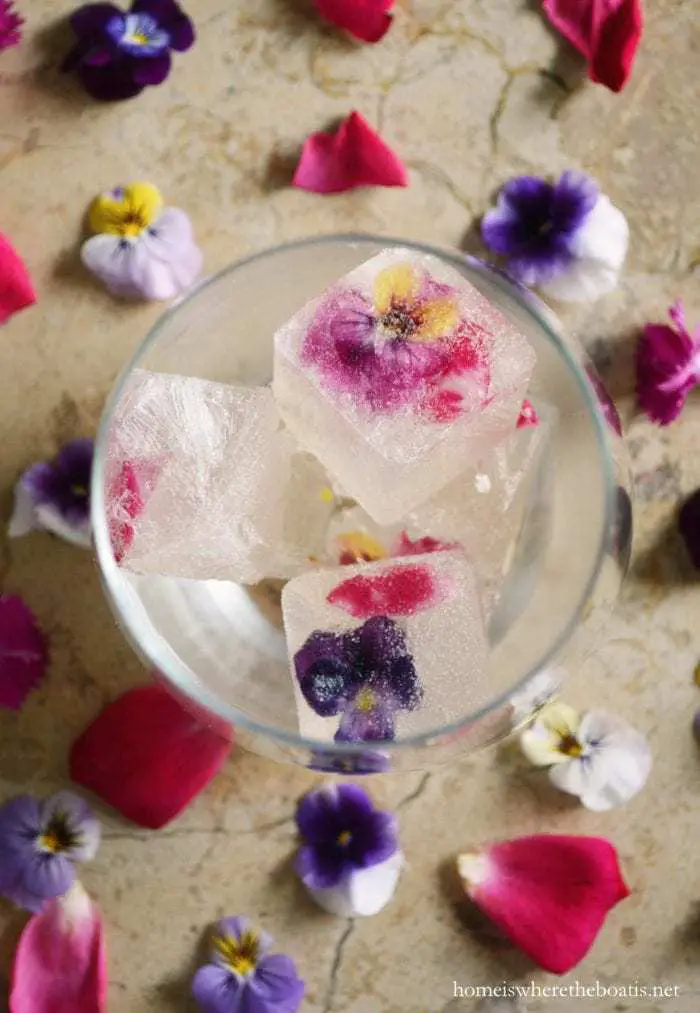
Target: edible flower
x,y
366,20
243,976
400,590
141,250
668,367
23,652
16,289
607,33
350,860
599,757
10,25
565,238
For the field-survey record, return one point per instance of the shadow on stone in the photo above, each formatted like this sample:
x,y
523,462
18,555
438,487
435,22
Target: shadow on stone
x,y
279,170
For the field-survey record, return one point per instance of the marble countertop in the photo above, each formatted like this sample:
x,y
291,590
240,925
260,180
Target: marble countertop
x,y
469,92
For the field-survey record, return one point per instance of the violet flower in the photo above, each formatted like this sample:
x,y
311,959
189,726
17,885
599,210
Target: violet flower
x,y
366,676
39,842
118,54
350,858
10,25
565,238
244,977
55,496
668,367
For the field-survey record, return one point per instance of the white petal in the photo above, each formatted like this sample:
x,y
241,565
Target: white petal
x,y
170,240
363,893
600,248
50,520
111,260
23,519
538,692
541,741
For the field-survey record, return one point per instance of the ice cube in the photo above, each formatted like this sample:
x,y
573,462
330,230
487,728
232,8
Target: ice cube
x,y
398,377
385,649
229,496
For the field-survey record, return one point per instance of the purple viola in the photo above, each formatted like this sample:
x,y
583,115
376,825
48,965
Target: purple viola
x,y
342,832
55,495
365,675
39,842
243,977
117,54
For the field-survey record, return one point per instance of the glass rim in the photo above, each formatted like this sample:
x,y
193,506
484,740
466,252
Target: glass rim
x,y
159,653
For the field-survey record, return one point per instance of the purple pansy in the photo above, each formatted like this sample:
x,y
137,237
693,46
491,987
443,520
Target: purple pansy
x,y
668,367
342,833
365,675
39,842
117,54
244,977
55,495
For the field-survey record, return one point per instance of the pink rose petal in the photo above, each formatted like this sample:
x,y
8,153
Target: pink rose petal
x,y
399,591
605,32
60,964
148,756
667,366
528,416
548,894
407,546
353,156
23,652
16,289
367,20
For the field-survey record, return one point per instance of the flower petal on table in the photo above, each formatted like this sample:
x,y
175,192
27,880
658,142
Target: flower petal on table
x,y
16,289
605,32
352,156
367,20
23,652
148,756
60,963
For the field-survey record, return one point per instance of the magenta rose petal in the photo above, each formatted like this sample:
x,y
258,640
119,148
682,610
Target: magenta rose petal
x,y
16,289
366,20
23,652
668,367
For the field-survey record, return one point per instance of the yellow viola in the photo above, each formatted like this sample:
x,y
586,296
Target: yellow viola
x,y
403,311
127,210
359,547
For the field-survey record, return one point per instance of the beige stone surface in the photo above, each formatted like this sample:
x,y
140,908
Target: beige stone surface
x,y
469,92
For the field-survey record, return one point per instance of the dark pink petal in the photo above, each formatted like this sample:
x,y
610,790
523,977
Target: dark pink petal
x,y
668,367
60,964
528,416
353,156
605,32
548,894
23,652
16,289
367,20
148,756
398,591
407,546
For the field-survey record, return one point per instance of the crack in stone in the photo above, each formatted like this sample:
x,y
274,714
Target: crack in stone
x,y
148,835
335,966
417,792
495,117
440,176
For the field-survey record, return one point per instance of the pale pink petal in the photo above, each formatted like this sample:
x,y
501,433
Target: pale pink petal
x,y
353,156
60,963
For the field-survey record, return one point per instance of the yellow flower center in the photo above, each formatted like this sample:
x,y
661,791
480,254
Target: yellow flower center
x,y
241,955
57,837
126,211
569,745
365,701
138,38
344,838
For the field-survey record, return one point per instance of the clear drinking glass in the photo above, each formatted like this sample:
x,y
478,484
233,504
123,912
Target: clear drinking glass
x,y
220,645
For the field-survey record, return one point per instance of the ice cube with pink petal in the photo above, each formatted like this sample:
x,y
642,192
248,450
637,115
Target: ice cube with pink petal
x,y
385,649
398,377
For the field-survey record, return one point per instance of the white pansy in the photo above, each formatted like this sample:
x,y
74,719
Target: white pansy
x,y
363,892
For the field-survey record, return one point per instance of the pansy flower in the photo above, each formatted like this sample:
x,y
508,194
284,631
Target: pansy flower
x,y
118,54
350,860
10,25
39,842
565,238
399,348
598,757
55,496
668,367
141,250
243,976
366,676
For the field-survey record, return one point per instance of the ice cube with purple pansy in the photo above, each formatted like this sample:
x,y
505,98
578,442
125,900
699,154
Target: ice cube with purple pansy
x,y
385,649
221,490
398,377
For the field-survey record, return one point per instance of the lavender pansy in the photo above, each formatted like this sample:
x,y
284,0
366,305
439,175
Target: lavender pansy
x,y
117,54
565,238
366,676
141,250
350,860
39,842
668,367
55,496
243,977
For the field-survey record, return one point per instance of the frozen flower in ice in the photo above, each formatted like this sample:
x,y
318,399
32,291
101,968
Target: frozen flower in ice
x,y
358,764
141,250
599,758
367,20
39,842
23,652
528,417
565,238
117,54
243,976
538,692
366,676
358,547
55,496
350,860
668,367
10,25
